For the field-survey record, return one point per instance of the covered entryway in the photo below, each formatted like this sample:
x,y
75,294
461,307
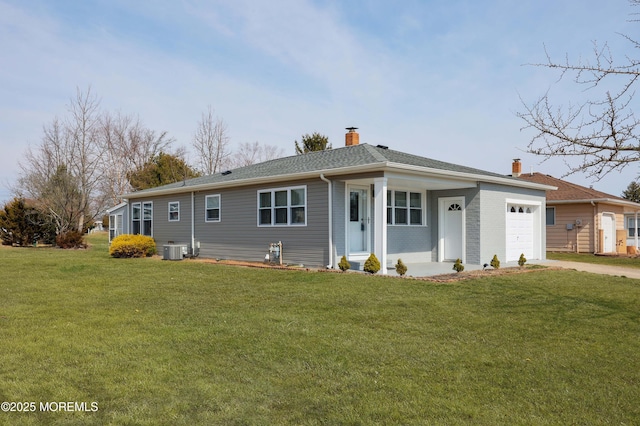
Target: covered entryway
x,y
519,231
451,229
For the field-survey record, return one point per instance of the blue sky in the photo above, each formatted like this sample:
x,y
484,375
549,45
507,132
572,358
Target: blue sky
x,y
441,79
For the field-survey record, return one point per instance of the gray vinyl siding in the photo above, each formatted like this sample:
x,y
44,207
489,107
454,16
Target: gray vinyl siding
x,y
165,232
339,218
238,236
410,243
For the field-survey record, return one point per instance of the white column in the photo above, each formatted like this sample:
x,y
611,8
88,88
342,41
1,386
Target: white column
x,y
380,220
636,227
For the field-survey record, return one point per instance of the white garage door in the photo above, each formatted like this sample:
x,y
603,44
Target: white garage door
x,y
519,231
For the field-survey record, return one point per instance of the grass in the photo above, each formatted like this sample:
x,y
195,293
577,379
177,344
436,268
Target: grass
x,y
155,342
629,262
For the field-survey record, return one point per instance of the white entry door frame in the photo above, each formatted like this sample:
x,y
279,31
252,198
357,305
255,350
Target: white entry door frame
x,y
451,229
358,220
608,222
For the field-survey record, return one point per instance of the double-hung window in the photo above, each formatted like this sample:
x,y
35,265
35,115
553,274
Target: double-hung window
x,y
147,218
142,218
404,208
174,211
283,207
212,208
631,226
136,216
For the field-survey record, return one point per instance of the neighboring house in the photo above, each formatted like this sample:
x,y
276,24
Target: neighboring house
x,y
584,220
353,201
118,220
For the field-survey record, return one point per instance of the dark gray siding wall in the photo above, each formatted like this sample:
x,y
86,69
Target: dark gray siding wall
x,y
165,232
410,243
339,218
238,236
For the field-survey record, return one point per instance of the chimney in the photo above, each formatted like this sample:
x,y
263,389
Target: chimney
x,y
516,168
352,137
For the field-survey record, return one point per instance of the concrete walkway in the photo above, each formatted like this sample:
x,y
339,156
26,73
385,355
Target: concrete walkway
x,y
438,268
594,268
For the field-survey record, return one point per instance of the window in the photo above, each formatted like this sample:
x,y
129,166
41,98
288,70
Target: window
x,y
551,216
147,218
174,211
212,208
115,226
142,218
135,218
404,208
283,207
631,226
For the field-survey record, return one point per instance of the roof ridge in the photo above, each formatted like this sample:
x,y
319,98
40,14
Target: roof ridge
x,y
375,153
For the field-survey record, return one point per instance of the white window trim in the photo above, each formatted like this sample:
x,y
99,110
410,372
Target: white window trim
x,y
139,219
169,210
273,191
142,219
554,215
219,208
392,200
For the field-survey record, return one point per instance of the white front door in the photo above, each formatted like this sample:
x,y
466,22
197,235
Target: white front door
x,y
358,220
609,226
451,228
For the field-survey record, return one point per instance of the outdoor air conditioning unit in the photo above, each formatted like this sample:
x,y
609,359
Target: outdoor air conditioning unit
x,y
174,251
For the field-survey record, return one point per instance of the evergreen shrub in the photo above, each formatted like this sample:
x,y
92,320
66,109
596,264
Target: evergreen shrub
x,y
372,265
128,245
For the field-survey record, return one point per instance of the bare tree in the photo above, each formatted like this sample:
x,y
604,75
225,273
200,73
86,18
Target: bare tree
x,y
71,145
128,146
90,154
251,153
596,136
211,143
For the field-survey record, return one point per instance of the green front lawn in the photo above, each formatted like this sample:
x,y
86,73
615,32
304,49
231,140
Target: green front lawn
x,y
157,342
630,262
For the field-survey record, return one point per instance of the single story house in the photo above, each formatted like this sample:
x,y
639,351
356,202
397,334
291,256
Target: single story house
x,y
352,201
584,220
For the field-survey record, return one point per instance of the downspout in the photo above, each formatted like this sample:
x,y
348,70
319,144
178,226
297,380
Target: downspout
x,y
595,229
330,202
193,224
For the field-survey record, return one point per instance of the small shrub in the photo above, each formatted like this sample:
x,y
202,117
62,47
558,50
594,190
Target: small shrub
x,y
495,263
70,240
458,266
128,245
401,268
344,264
372,265
522,260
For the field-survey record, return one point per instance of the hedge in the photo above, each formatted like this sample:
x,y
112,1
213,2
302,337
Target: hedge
x,y
128,245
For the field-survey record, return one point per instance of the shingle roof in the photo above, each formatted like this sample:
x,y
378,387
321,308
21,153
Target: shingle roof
x,y
325,161
567,191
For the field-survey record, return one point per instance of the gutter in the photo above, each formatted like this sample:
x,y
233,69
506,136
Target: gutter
x,y
330,202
